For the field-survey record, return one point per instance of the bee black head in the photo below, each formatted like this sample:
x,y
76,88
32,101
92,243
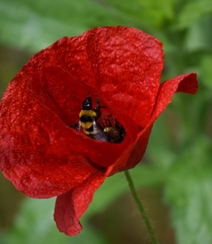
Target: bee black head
x,y
87,103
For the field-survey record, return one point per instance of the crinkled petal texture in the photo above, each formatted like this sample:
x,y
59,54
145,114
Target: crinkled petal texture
x,y
42,155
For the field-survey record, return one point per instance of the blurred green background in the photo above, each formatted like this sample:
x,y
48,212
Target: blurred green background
x,y
174,179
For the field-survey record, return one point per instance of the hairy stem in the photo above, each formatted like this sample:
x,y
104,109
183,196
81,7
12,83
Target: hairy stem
x,y
141,208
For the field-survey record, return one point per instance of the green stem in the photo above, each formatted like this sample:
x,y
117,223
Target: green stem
x,y
140,207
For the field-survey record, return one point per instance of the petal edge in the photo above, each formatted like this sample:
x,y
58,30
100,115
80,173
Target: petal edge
x,y
71,206
186,83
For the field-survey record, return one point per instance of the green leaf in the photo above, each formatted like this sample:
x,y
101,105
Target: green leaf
x,y
206,63
199,35
116,185
192,11
34,224
162,144
188,193
151,13
35,218
37,24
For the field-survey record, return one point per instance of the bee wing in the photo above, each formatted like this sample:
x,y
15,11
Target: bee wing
x,y
98,133
96,128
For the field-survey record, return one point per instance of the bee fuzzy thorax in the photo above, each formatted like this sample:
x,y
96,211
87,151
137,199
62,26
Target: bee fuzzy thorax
x,y
94,125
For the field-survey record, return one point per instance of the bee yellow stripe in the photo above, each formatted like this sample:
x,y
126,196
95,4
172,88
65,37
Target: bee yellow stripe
x,y
89,113
86,125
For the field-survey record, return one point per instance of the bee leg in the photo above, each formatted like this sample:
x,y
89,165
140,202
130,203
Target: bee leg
x,y
76,126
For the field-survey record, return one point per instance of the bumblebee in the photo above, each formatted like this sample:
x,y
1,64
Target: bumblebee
x,y
93,124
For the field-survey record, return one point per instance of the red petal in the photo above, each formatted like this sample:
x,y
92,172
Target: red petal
x,y
37,150
132,155
71,205
127,64
122,65
40,154
183,83
187,83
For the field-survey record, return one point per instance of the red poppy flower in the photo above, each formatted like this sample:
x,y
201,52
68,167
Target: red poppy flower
x,y
42,154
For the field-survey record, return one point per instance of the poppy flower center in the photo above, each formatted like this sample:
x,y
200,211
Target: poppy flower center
x,y
94,124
